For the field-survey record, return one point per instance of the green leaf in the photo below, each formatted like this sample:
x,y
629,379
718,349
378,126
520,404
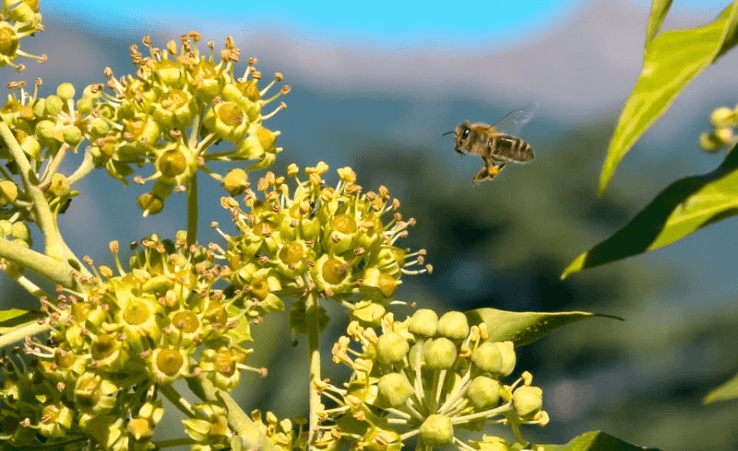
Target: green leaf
x,y
659,8
684,207
523,328
595,441
727,391
12,317
673,59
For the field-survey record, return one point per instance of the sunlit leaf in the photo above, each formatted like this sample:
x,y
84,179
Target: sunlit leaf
x,y
595,441
659,9
14,316
523,328
673,59
727,391
684,207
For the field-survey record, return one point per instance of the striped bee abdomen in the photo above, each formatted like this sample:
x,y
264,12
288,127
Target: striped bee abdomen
x,y
511,148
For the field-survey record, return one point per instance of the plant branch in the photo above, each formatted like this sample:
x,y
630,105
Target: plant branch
x,y
42,213
19,333
313,324
52,269
87,165
192,212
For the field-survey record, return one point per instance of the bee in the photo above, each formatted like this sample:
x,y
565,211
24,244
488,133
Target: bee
x,y
496,143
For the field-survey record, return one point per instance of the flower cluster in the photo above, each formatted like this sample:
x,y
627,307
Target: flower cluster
x,y
332,242
724,120
425,377
171,114
18,18
117,341
179,104
43,131
281,434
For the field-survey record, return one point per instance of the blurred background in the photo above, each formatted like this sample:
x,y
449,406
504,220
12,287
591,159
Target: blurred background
x,y
374,87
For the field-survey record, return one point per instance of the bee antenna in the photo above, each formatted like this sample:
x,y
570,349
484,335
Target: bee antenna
x,y
447,133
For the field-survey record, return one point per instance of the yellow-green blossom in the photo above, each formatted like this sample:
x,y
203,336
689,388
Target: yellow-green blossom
x,y
431,390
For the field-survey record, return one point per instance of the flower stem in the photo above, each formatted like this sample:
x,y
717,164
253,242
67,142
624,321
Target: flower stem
x,y
43,217
192,212
177,400
237,418
87,165
313,324
20,332
51,269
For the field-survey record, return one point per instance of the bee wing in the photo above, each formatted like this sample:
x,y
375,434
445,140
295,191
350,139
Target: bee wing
x,y
515,120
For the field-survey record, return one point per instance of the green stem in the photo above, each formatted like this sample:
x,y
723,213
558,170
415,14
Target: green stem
x,y
192,211
53,166
29,286
176,399
43,265
87,165
43,217
313,325
19,333
237,418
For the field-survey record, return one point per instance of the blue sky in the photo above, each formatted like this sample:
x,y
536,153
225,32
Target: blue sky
x,y
376,21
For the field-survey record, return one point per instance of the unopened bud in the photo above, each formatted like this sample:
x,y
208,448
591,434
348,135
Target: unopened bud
x,y
527,401
722,117
392,348
439,354
437,431
424,323
453,325
484,392
394,388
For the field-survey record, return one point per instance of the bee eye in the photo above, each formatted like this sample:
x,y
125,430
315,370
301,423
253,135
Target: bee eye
x,y
465,133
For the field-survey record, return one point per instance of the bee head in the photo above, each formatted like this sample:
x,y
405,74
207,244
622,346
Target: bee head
x,y
461,136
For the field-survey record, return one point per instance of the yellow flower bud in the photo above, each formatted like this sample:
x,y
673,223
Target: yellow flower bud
x,y
527,401
453,325
65,91
440,354
722,117
8,192
437,431
236,181
484,392
394,389
9,43
59,185
424,322
392,348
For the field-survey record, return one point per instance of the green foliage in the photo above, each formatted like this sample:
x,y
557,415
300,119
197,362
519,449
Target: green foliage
x,y
659,9
684,207
592,441
673,59
14,316
523,328
727,391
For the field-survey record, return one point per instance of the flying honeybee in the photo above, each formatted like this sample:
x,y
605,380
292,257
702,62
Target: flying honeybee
x,y
497,143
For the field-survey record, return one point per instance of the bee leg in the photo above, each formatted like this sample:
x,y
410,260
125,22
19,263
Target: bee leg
x,y
481,176
493,169
488,172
